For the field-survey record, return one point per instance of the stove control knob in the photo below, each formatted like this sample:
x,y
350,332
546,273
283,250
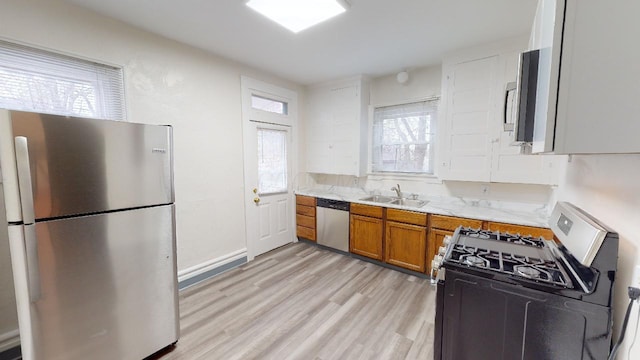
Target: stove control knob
x,y
442,250
436,263
447,240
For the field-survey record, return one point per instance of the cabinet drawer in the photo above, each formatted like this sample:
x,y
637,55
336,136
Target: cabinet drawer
x,y
305,200
522,230
451,223
366,210
409,217
306,210
306,221
305,232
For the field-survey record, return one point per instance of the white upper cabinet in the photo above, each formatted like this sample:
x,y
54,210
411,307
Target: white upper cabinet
x,y
593,76
336,127
473,144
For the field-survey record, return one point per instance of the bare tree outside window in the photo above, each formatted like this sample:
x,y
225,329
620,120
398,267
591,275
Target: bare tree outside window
x,y
403,138
37,80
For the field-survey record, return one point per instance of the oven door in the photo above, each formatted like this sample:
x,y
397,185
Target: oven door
x,y
486,319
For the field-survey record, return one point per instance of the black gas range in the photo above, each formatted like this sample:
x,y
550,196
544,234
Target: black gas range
x,y
512,296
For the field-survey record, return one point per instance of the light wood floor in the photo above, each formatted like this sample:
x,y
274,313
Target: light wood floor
x,y
303,302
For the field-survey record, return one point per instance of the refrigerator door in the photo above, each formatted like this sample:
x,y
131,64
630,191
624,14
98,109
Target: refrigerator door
x,y
106,285
84,166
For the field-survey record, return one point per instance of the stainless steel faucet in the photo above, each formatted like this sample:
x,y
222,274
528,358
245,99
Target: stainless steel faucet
x,y
397,190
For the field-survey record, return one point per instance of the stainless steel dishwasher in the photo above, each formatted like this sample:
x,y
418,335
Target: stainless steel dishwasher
x,y
333,223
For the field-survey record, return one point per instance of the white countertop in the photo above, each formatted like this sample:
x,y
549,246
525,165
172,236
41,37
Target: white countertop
x,y
499,211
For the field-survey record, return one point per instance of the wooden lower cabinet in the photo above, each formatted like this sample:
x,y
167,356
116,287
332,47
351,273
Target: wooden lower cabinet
x,y
405,245
366,236
441,226
306,217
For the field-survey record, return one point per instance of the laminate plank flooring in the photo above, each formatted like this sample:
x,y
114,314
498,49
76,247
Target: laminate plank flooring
x,y
304,302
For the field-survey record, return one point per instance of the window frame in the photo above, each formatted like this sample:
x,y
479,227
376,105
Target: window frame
x,y
385,175
116,111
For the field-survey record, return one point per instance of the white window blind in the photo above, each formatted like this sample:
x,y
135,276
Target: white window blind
x,y
403,138
41,81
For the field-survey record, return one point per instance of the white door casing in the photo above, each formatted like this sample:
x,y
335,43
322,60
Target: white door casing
x,y
269,220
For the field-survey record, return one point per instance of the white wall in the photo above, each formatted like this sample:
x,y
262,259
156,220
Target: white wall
x,y
608,187
166,83
423,83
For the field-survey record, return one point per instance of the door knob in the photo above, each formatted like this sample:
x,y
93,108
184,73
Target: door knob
x,y
256,200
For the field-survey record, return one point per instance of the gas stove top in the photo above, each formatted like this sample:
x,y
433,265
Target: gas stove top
x,y
517,256
537,296
496,235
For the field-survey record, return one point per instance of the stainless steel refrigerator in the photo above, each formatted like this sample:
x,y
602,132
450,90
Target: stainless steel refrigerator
x,y
91,224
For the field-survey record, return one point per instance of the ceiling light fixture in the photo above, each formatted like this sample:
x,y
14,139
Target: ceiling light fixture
x,y
297,15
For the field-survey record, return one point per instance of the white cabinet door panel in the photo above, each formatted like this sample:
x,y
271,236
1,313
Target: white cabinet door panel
x,y
470,108
335,123
474,145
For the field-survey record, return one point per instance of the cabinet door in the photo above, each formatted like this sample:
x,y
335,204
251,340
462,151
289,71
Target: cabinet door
x,y
436,239
508,165
405,245
474,145
598,109
366,236
335,126
469,119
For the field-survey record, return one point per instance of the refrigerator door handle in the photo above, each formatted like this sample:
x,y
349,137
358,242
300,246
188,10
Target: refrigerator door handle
x,y
28,217
24,180
33,267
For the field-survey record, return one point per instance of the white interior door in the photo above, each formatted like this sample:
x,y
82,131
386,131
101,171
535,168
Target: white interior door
x,y
268,117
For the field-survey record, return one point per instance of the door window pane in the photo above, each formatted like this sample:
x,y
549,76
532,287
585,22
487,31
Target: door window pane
x,y
264,104
272,161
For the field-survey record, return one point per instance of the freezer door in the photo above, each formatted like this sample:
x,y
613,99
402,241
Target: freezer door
x,y
83,166
105,286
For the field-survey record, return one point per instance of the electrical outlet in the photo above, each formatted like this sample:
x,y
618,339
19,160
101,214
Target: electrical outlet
x,y
635,282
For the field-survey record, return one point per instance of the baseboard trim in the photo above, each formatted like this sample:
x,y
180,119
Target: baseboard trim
x,y
205,270
8,341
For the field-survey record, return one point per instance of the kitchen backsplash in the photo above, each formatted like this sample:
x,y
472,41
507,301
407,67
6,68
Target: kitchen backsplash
x,y
539,195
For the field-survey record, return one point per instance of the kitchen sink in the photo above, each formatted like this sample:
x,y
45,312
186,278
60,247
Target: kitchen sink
x,y
409,202
379,198
394,200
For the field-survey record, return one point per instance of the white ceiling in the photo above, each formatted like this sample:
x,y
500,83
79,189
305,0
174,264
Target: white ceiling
x,y
374,37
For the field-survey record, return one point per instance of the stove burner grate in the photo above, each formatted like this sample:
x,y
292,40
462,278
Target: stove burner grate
x,y
512,238
518,266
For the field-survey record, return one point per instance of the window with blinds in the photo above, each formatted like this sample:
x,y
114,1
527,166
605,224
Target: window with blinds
x,y
42,81
403,137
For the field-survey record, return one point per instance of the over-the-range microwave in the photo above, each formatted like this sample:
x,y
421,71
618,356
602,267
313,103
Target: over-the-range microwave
x,y
526,92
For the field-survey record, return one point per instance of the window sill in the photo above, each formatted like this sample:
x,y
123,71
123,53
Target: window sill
x,y
423,178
